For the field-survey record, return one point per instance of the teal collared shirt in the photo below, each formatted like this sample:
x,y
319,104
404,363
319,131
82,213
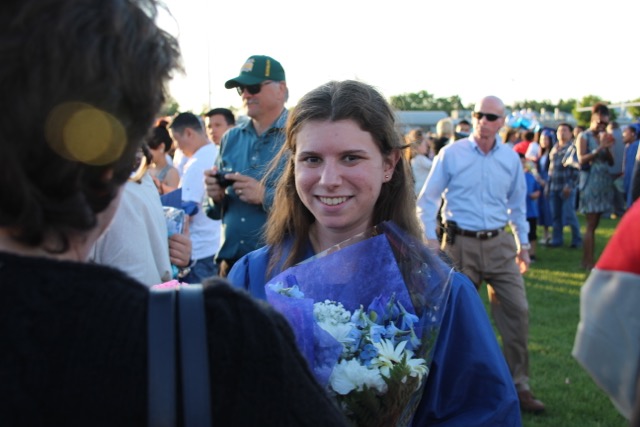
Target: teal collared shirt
x,y
243,150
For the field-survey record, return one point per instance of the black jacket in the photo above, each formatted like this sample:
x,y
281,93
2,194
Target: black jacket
x,y
73,352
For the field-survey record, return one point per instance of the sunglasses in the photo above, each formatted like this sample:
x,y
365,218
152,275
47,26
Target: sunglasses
x,y
602,123
252,89
491,117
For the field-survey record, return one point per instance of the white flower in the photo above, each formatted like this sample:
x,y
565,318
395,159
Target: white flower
x,y
292,292
349,375
388,354
340,331
330,312
418,368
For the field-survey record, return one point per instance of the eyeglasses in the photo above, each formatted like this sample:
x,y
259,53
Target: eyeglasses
x,y
253,89
601,123
491,117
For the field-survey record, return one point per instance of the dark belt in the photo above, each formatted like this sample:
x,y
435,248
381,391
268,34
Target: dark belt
x,y
482,235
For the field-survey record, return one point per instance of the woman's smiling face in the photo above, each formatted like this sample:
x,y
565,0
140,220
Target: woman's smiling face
x,y
339,171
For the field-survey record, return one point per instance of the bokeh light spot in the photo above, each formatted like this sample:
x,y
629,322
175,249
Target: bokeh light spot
x,y
81,132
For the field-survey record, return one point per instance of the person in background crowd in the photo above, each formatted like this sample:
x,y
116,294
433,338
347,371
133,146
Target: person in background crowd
x,y
237,196
344,174
218,121
546,141
484,190
438,144
630,137
165,176
594,153
420,161
576,133
445,129
200,154
635,179
528,146
511,137
562,190
463,129
534,190
616,171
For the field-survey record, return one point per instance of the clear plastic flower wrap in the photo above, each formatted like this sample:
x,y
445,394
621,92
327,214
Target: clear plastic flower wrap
x,y
175,225
175,220
366,315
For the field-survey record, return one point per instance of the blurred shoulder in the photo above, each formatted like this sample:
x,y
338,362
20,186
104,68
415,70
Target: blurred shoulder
x,y
234,312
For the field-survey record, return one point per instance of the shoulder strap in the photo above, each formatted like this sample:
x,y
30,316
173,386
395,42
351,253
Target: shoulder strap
x,y
194,357
185,305
161,358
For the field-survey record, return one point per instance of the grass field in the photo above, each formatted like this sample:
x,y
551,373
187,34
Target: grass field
x,y
553,290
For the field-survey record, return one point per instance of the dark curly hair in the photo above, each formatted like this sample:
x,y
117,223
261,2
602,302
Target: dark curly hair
x,y
81,83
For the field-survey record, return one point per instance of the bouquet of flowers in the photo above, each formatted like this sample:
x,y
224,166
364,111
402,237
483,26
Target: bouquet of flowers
x,y
366,315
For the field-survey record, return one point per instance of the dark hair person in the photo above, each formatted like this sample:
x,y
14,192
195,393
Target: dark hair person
x,y
596,197
82,82
165,176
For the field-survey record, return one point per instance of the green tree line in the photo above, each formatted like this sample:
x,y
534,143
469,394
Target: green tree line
x,y
425,101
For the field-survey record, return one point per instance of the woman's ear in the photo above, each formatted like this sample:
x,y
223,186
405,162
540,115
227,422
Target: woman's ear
x,y
390,162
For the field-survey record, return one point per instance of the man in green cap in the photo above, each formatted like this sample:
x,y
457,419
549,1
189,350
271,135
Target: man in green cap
x,y
236,194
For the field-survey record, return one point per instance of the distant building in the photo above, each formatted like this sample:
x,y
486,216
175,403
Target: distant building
x,y
426,120
552,120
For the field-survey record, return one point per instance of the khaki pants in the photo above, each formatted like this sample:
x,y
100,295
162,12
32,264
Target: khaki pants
x,y
493,261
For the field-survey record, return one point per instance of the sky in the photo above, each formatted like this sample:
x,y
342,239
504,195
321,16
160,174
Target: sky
x,y
517,50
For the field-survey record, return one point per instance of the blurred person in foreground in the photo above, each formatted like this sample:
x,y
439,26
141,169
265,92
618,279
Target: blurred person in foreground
x,y
345,173
238,196
607,342
82,82
137,240
484,189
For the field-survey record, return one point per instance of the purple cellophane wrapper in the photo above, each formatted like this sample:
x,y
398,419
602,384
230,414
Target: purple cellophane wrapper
x,y
354,274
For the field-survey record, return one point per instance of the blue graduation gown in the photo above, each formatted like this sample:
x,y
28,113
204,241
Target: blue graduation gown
x,y
469,383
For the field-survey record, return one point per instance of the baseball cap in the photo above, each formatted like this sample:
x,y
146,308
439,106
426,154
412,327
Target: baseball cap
x,y
257,69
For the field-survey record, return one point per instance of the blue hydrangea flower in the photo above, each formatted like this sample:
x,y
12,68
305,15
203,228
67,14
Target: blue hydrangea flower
x,y
368,353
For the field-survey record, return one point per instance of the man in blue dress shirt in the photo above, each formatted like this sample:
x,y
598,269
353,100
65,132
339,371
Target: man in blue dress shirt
x,y
243,202
483,187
